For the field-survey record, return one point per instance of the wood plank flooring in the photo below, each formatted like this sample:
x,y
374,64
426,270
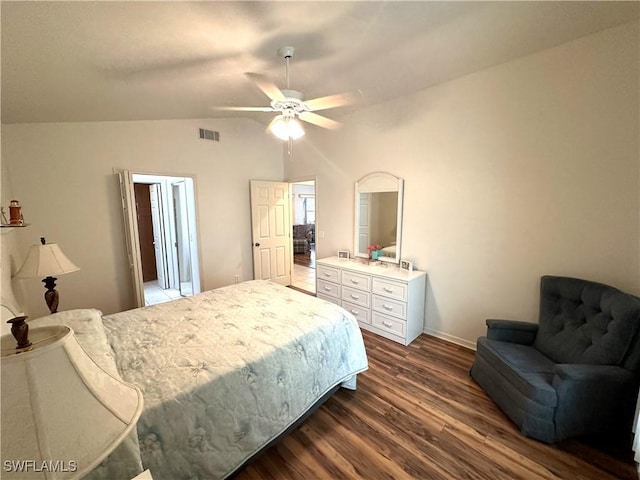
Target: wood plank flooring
x,y
307,259
418,415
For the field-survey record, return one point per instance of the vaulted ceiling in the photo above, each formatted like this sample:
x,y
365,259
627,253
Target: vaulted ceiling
x,y
95,61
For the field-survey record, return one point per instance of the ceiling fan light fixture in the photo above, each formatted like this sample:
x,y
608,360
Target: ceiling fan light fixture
x,y
286,128
290,105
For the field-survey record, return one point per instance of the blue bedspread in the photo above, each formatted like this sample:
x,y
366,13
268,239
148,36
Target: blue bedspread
x,y
224,372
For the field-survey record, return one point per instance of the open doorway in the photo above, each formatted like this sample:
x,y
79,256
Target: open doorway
x,y
161,236
303,216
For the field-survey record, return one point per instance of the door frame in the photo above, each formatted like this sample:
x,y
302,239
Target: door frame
x,y
313,179
131,228
182,203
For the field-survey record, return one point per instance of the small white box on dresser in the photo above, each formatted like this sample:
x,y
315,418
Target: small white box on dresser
x,y
384,299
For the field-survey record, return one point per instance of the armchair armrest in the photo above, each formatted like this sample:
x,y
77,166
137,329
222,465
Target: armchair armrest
x,y
512,331
611,374
595,395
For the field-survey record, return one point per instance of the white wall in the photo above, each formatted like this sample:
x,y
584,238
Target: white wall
x,y
8,244
528,168
63,176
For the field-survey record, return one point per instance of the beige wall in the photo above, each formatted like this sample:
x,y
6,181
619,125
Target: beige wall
x,y
524,169
63,176
8,244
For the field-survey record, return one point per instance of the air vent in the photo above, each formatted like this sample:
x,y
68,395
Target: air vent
x,y
209,135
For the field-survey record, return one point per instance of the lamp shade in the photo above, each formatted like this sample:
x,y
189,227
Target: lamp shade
x,y
62,414
45,260
285,127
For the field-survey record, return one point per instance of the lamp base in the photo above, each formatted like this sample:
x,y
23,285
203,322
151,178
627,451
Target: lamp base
x,y
51,295
20,331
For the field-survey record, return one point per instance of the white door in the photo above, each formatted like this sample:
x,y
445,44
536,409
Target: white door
x,y
183,244
271,231
158,234
189,209
127,195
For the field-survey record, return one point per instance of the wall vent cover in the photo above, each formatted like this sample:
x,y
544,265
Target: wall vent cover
x,y
209,135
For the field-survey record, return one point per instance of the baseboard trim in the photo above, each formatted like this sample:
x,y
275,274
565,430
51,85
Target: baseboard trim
x,y
450,338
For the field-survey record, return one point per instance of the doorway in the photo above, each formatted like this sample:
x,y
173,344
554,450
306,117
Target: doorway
x,y
303,221
161,236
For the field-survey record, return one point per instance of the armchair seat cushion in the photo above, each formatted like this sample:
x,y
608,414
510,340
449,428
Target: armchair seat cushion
x,y
300,245
525,368
534,419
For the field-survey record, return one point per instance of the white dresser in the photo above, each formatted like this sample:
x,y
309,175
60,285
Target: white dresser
x,y
385,299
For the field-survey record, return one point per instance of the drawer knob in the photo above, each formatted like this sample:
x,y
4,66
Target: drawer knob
x,y
388,290
387,324
328,289
327,274
354,296
388,307
355,312
354,280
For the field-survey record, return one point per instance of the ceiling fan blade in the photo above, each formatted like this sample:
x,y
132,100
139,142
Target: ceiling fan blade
x,y
319,120
244,109
332,101
267,86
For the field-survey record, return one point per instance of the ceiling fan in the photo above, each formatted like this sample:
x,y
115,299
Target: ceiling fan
x,y
290,105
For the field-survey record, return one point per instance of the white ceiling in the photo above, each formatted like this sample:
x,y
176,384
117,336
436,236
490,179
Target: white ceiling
x,y
93,61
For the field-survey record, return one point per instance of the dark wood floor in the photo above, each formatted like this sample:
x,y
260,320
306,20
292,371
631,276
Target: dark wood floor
x,y
307,259
418,415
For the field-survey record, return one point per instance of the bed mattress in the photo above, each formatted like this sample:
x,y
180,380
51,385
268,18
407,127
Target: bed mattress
x,y
224,372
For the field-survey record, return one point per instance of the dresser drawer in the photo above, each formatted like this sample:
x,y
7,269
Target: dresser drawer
x,y
389,288
328,298
356,296
328,289
389,324
356,280
361,314
328,273
390,307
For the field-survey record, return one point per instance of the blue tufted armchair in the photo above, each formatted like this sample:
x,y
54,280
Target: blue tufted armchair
x,y
574,373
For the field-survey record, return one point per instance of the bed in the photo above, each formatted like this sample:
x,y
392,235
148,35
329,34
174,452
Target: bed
x,y
223,373
389,251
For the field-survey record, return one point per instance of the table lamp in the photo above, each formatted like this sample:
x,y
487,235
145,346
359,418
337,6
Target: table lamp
x,y
61,413
46,260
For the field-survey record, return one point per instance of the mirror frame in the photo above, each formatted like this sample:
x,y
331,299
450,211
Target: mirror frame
x,y
374,183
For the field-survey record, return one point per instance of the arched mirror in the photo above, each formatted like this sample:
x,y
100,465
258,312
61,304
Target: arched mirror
x,y
378,215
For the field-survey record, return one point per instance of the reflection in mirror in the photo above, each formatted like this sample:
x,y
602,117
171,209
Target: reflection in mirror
x,y
378,222
379,216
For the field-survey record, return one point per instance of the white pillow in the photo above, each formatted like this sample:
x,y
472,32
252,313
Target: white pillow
x,y
88,328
